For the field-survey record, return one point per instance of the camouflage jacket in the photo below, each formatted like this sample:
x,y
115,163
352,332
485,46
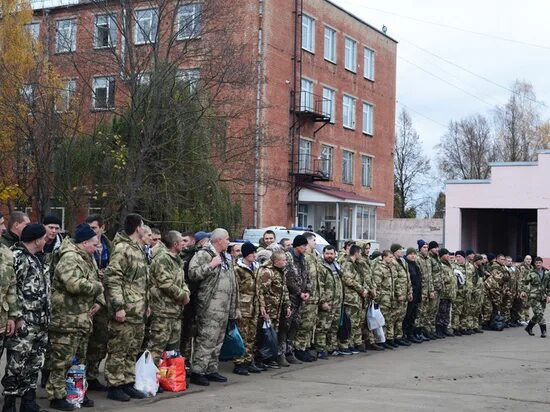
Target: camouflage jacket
x,y
127,279
314,264
366,272
425,265
463,291
330,278
499,274
449,286
384,278
353,284
297,277
75,289
249,288
273,294
168,287
403,287
8,239
214,286
7,286
536,286
436,273
32,287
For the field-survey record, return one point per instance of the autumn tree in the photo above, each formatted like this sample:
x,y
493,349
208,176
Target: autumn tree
x,y
439,206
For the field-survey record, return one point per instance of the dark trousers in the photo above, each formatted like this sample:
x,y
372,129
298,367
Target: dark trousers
x,y
443,317
410,319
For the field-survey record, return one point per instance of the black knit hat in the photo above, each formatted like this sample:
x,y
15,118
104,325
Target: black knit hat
x,y
83,232
299,240
395,247
32,232
433,244
51,220
247,248
461,253
478,258
470,252
443,252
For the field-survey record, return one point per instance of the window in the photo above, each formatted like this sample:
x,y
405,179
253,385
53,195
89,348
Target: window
x,y
368,64
34,30
348,108
365,223
304,156
66,94
105,31
146,26
65,40
366,171
189,21
308,33
306,96
59,212
368,118
347,166
143,79
329,103
302,215
28,94
189,76
350,55
104,92
330,44
326,158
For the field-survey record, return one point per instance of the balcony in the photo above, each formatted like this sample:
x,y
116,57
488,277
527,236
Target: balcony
x,y
312,168
312,107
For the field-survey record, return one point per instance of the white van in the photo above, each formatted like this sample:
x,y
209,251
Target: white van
x,y
254,235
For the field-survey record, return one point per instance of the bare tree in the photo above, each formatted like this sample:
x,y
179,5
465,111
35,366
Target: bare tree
x,y
411,166
466,149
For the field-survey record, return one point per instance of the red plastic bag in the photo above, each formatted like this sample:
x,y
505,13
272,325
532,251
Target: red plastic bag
x,y
172,373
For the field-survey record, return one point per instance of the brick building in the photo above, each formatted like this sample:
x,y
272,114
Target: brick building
x,y
324,97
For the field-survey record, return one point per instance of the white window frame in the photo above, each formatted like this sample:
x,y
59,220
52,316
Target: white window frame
x,y
34,30
365,217
303,212
350,54
368,119
65,96
140,34
190,76
111,28
306,95
349,104
347,172
368,63
329,103
366,170
330,42
109,95
327,155
65,35
308,33
304,156
189,21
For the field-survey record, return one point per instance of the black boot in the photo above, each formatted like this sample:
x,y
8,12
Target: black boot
x,y
542,331
439,332
529,328
62,405
28,402
9,404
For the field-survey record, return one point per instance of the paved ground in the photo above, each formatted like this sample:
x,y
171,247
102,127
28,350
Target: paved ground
x,y
506,371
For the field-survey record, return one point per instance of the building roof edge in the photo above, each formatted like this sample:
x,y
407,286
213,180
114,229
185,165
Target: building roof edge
x,y
467,181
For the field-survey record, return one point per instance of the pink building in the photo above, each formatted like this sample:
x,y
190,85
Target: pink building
x,y
508,213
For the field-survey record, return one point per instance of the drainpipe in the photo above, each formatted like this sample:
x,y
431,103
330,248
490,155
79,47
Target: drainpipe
x,y
258,138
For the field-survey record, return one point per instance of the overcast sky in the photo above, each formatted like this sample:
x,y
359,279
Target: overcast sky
x,y
420,24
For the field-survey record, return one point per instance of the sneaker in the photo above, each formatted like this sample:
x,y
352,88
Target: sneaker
x,y
375,346
241,370
62,405
335,352
215,377
386,345
281,360
132,392
252,368
87,402
95,385
361,348
273,364
261,365
199,379
392,343
116,393
353,350
322,355
345,351
292,359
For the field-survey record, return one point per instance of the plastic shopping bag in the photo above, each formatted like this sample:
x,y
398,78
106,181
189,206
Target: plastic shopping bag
x,y
344,326
375,318
147,375
76,384
379,336
233,344
269,349
172,373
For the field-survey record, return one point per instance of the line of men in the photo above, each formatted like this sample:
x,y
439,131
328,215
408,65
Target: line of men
x,y
95,299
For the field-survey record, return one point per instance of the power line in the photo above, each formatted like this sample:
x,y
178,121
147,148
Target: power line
x,y
477,33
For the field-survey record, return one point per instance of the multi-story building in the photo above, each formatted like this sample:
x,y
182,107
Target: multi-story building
x,y
325,86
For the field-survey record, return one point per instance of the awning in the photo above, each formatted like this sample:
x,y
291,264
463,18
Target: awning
x,y
325,194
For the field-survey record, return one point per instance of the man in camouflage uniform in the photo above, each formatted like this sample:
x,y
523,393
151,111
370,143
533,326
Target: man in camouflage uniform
x,y
246,272
330,304
126,290
427,295
216,303
536,289
403,293
433,248
355,295
77,295
190,247
447,295
384,279
274,299
514,302
297,281
477,296
16,223
169,294
463,295
310,308
26,348
497,284
523,307
343,253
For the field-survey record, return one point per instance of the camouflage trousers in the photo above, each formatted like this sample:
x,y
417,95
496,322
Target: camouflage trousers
x,y
520,309
460,310
64,346
486,310
306,328
398,316
289,328
427,313
444,313
164,334
474,307
97,344
389,326
123,347
327,328
356,334
506,306
24,358
538,307
211,326
248,328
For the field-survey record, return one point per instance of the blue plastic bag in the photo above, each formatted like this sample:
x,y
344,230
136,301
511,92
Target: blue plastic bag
x,y
233,344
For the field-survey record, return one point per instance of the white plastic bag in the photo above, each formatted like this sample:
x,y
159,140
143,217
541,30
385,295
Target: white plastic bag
x,y
375,318
379,335
147,375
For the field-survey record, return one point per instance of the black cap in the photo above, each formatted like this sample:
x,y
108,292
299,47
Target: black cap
x,y
478,258
433,244
460,253
470,252
32,232
443,252
51,220
247,248
299,240
83,232
491,256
